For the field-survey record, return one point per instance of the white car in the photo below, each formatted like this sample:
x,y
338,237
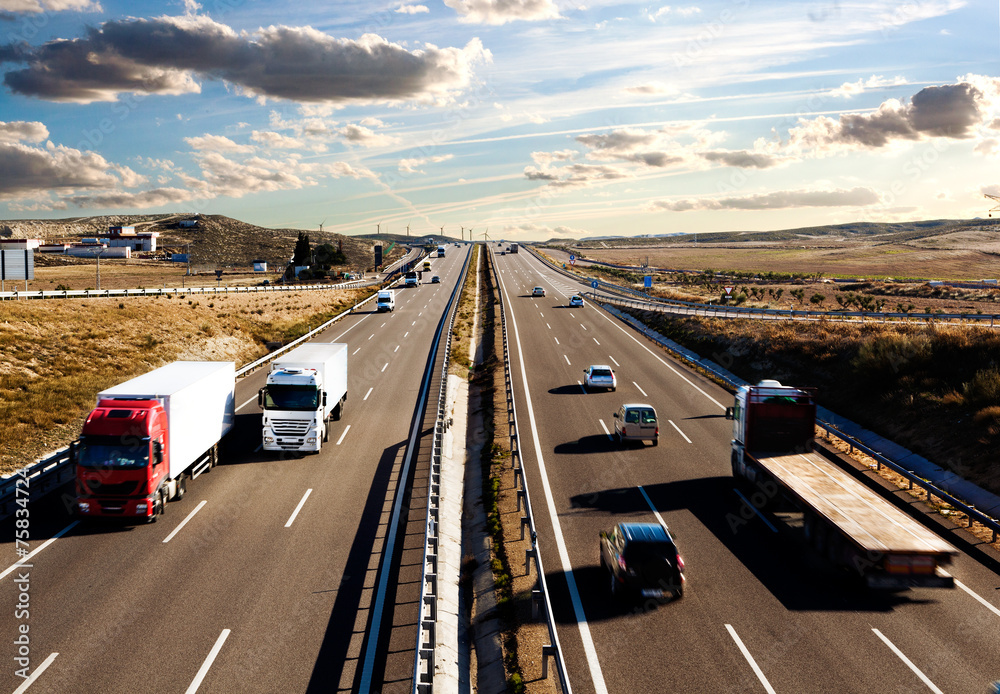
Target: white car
x,y
538,291
599,376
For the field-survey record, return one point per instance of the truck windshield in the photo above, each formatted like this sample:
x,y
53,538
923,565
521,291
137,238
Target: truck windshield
x,y
113,452
287,397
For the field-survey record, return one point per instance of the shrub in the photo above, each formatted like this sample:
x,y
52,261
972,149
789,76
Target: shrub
x,y
984,388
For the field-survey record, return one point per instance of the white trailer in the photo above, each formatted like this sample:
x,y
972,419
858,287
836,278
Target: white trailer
x,y
306,389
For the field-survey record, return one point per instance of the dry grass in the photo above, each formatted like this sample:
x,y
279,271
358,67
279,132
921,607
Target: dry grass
x,y
461,333
58,354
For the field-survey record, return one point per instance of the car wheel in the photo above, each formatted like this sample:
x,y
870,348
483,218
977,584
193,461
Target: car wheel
x,y
656,441
614,586
619,435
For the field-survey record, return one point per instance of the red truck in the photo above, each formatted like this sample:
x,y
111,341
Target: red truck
x,y
856,529
146,437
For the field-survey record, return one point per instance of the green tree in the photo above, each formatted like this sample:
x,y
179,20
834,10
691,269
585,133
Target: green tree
x,y
817,299
301,254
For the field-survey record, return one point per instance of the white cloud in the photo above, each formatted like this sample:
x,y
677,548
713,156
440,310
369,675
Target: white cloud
x,y
412,9
413,165
37,6
22,131
849,89
855,197
32,171
275,140
497,12
217,143
360,135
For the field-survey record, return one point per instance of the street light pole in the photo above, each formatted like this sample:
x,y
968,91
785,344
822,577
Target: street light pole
x,y
99,269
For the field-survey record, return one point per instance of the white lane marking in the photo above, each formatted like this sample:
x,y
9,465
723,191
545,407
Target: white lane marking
x,y
368,393
598,343
908,662
298,508
355,351
34,675
246,403
657,357
20,564
753,663
556,339
383,325
571,315
567,359
420,314
583,326
395,350
678,429
613,359
755,510
406,333
640,389
582,387
371,336
985,603
413,323
655,512
385,367
346,429
212,655
594,665
605,427
548,326
176,530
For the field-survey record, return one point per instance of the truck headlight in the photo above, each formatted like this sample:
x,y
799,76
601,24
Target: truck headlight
x,y
268,439
140,507
83,507
311,439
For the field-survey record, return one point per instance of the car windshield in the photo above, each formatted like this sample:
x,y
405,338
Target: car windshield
x,y
289,397
111,452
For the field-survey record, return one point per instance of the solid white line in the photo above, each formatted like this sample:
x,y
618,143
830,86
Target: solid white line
x,y
580,617
34,675
20,564
346,429
655,512
657,357
605,427
212,655
197,508
909,664
678,429
246,403
753,663
556,339
613,359
385,367
368,393
298,508
640,389
567,359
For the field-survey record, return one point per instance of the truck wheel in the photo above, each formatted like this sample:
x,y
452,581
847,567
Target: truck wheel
x,y
338,412
181,487
326,431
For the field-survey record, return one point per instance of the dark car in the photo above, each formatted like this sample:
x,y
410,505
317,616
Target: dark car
x,y
642,561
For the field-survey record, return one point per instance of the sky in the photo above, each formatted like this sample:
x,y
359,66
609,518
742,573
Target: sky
x,y
515,119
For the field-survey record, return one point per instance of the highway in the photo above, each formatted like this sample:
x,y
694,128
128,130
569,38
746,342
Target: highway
x,y
260,579
760,612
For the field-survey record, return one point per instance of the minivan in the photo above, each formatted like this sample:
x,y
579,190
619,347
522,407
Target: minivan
x,y
636,423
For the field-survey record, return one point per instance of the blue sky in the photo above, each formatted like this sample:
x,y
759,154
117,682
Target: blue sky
x,y
529,118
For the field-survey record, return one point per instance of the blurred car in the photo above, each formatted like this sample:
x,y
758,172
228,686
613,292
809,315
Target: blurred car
x,y
599,376
435,280
635,422
575,300
642,560
538,291
503,252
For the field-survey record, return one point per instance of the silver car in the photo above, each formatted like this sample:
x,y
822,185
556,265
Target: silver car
x,y
637,423
599,376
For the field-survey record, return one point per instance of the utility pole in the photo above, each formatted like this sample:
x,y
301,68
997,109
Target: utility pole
x,y
99,269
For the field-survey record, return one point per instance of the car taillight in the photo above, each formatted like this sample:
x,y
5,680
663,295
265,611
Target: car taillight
x,y
621,563
657,429
680,562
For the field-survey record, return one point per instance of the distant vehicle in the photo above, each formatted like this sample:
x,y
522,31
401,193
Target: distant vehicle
x,y
599,376
386,300
636,423
642,559
575,301
435,280
503,252
538,291
513,248
440,251
427,265
410,279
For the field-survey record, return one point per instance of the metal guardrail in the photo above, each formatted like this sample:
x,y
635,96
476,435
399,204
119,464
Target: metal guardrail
x,y
423,667
541,594
175,291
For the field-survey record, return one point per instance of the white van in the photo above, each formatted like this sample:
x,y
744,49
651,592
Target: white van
x,y
386,300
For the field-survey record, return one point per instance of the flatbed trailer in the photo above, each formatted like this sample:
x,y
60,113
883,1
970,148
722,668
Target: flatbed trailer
x,y
844,520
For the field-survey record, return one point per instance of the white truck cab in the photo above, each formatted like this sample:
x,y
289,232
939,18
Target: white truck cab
x,y
386,300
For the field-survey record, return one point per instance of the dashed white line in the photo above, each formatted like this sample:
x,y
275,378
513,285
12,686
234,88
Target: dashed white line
x,y
385,367
567,359
548,326
556,339
383,325
246,403
355,351
406,333
20,564
908,662
605,427
212,655
678,429
371,336
368,393
753,663
640,389
983,601
346,429
395,350
598,343
298,508
613,359
176,530
653,508
413,323
583,326
34,675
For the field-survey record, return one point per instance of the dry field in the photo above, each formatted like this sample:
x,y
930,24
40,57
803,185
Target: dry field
x,y
58,354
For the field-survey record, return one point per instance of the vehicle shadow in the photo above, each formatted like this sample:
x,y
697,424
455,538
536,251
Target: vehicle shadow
x,y
568,390
598,443
781,560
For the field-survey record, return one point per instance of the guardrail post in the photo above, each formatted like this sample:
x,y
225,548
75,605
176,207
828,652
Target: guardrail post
x,y
536,601
529,554
547,652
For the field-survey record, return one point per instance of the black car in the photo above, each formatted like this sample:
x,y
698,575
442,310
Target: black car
x,y
642,561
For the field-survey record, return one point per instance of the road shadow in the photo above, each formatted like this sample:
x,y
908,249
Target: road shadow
x,y
599,443
781,560
567,390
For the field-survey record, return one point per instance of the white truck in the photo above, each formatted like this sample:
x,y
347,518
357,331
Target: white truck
x,y
146,437
306,389
441,250
386,300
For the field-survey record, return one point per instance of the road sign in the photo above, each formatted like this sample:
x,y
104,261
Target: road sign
x,y
729,291
593,283
572,260
647,281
